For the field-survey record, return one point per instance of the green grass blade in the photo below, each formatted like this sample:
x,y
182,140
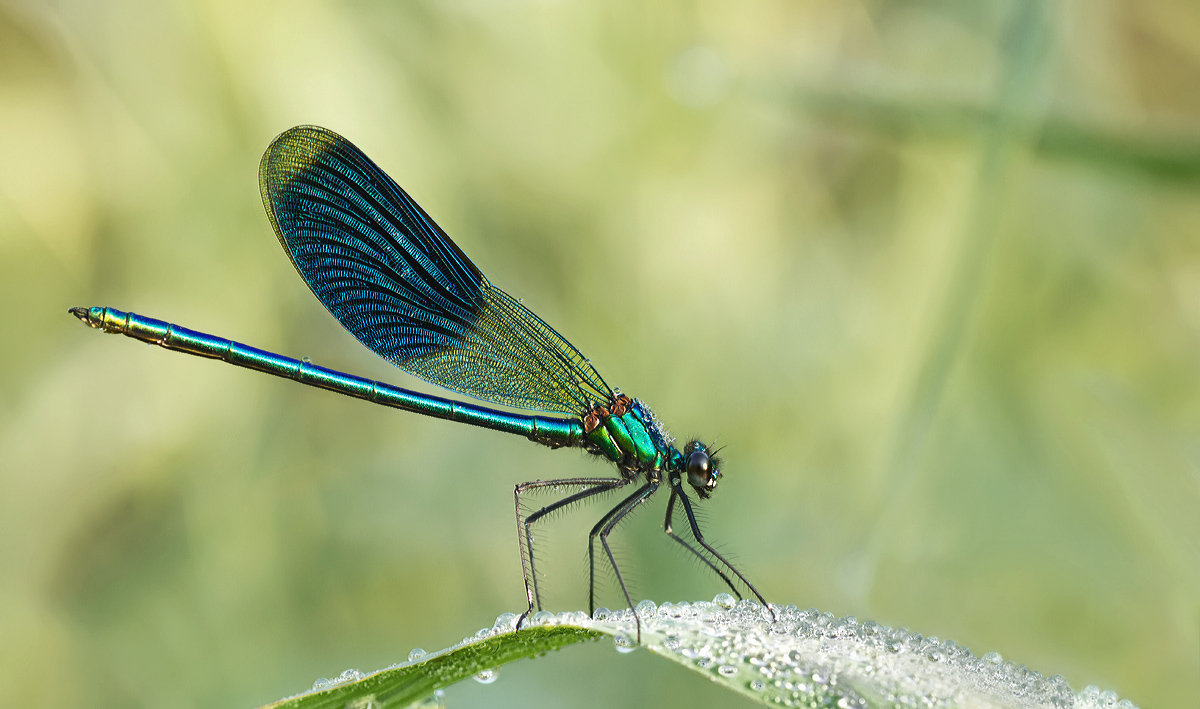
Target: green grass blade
x,y
805,659
404,684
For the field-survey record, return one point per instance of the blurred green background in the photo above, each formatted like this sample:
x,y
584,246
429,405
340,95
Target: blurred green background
x,y
930,270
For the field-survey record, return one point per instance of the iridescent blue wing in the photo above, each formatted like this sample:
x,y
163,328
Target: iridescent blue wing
x,y
394,279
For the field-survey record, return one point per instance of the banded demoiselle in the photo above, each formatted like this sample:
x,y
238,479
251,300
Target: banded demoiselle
x,y
397,282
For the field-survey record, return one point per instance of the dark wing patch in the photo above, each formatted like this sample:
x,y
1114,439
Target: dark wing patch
x,y
397,282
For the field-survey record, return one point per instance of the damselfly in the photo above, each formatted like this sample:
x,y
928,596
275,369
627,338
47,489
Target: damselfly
x,y
397,282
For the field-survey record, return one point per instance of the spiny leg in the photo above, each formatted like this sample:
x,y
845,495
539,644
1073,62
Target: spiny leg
x,y
687,508
624,509
667,527
592,545
609,484
594,486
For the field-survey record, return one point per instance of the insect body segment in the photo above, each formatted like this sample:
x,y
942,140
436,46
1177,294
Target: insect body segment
x,y
624,433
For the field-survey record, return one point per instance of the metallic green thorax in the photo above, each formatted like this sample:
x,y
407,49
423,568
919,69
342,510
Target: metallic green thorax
x,y
626,433
550,431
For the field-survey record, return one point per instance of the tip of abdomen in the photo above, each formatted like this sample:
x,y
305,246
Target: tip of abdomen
x,y
92,317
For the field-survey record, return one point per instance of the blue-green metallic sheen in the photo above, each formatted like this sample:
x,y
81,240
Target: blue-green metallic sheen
x,y
397,282
643,447
620,434
599,437
549,431
624,439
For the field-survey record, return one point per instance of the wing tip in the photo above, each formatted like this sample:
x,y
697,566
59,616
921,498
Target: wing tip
x,y
295,149
291,153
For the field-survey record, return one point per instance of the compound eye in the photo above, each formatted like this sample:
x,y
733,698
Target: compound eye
x,y
699,469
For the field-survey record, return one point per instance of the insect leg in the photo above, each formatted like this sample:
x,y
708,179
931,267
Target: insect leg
x,y
687,508
613,518
593,486
671,533
592,546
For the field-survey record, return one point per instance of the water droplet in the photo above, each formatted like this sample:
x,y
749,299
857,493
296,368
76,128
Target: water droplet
x,y
486,677
437,700
624,643
543,618
306,360
993,658
758,685
415,654
724,600
572,617
646,608
505,622
601,613
347,676
727,670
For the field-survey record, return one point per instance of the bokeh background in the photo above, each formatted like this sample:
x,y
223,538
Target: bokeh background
x,y
930,270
